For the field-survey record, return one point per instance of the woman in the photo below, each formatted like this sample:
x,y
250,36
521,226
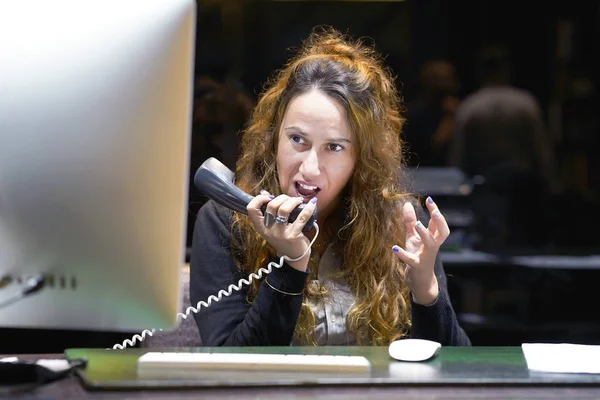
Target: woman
x,y
325,133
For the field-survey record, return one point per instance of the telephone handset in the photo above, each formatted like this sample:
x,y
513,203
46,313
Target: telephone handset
x,y
215,180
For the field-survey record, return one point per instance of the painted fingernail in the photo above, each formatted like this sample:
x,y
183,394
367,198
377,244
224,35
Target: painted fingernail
x,y
419,225
313,200
265,193
437,213
395,248
429,200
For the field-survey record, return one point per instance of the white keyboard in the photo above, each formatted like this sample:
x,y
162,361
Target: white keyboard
x,y
182,361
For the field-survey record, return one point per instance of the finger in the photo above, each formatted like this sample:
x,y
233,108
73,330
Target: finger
x,y
265,193
409,216
405,256
430,204
254,208
274,204
303,217
438,225
443,230
433,228
426,236
288,206
272,209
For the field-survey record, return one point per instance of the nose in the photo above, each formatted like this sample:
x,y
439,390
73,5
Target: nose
x,y
310,165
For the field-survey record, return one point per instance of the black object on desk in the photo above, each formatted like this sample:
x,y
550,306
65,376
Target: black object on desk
x,y
33,372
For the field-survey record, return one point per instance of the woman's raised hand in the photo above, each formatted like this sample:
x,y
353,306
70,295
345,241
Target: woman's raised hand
x,y
420,251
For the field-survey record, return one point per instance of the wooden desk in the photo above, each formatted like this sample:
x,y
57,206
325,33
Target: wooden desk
x,y
467,373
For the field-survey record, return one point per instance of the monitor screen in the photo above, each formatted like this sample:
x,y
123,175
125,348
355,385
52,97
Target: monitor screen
x,y
95,116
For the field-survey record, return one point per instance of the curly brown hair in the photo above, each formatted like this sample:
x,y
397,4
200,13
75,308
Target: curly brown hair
x,y
351,72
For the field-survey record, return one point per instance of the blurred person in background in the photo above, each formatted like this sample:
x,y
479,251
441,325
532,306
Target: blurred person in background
x,y
430,117
500,137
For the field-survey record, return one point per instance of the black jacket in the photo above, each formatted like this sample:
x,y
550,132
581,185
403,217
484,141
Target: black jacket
x,y
271,318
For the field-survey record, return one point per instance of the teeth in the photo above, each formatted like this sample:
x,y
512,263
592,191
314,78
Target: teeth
x,y
307,187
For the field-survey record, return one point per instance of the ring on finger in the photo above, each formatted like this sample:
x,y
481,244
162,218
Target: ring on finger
x,y
281,219
269,219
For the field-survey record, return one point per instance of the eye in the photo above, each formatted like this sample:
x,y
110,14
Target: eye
x,y
335,147
297,139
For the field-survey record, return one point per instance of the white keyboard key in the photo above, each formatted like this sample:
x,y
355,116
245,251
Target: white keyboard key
x,y
183,361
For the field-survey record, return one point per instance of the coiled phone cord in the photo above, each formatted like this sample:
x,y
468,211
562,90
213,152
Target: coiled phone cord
x,y
222,293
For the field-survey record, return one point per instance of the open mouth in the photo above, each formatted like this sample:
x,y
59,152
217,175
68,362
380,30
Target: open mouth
x,y
306,191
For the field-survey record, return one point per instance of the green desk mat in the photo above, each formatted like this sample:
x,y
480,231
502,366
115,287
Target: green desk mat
x,y
453,366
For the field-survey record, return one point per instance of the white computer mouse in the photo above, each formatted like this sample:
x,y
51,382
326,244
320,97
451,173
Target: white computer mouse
x,y
413,349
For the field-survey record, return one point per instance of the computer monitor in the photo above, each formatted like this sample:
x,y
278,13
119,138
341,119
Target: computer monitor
x,y
95,120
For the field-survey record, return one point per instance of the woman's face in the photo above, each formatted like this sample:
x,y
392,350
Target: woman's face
x,y
316,153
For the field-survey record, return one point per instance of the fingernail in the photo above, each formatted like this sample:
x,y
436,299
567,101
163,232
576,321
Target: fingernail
x,y
437,213
265,193
429,200
313,200
419,225
395,248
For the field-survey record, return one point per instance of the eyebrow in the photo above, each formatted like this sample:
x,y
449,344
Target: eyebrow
x,y
299,131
